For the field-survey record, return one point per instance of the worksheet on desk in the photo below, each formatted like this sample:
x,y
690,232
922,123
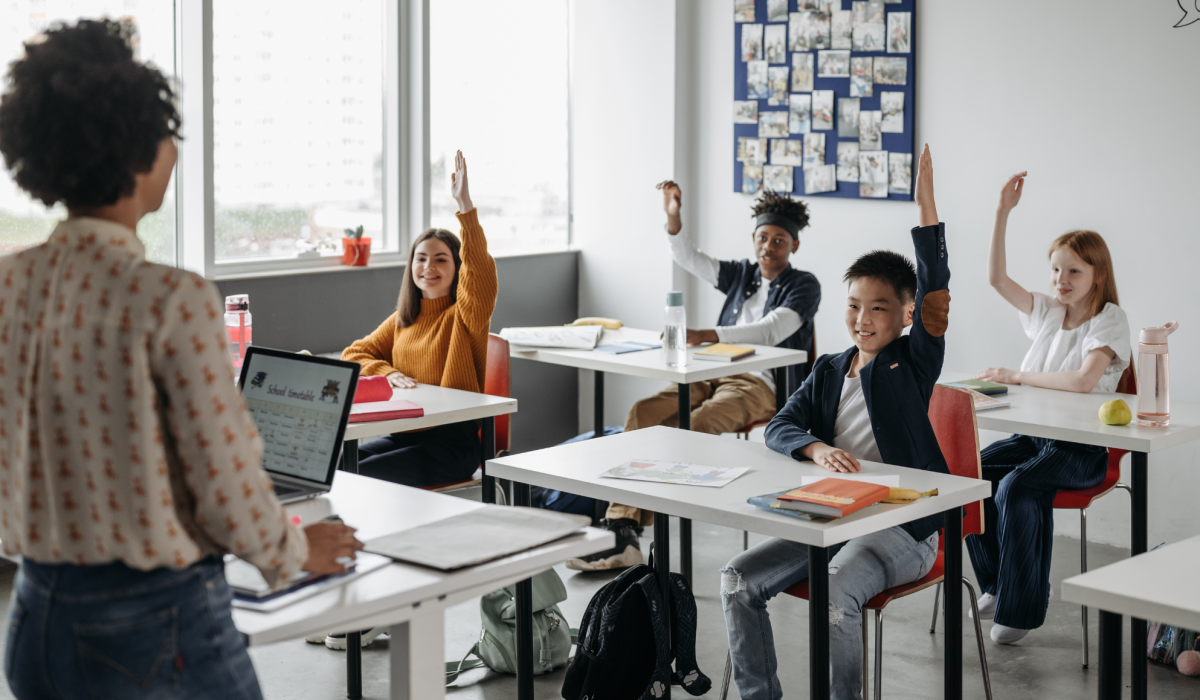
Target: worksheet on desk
x,y
675,473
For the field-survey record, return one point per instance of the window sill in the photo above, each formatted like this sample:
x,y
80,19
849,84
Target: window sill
x,y
385,261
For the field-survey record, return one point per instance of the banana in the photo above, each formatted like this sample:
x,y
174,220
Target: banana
x,y
611,324
907,495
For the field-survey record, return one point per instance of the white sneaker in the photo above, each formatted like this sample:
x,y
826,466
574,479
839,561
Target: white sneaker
x,y
986,605
632,556
1007,635
337,642
316,638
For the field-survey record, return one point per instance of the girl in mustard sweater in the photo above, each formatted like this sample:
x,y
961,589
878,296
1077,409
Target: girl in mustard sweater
x,y
438,335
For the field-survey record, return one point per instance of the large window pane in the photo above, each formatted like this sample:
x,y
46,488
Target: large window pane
x,y
498,92
25,222
297,125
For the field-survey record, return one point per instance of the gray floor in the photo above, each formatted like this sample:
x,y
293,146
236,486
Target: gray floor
x,y
1044,665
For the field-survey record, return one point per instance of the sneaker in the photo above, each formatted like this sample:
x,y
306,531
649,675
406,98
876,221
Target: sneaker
x,y
337,642
1007,635
316,638
627,553
987,607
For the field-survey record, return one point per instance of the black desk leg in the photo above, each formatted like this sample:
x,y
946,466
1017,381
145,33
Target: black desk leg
x,y
1139,536
487,449
353,665
818,622
524,615
685,525
598,405
350,456
781,388
1110,656
954,603
662,570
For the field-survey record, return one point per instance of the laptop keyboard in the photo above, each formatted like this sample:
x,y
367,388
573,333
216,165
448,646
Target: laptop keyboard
x,y
282,490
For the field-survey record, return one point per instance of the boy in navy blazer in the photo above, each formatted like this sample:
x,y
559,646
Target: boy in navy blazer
x,y
870,402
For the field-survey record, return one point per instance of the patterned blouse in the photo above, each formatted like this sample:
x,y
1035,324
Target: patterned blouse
x,y
122,435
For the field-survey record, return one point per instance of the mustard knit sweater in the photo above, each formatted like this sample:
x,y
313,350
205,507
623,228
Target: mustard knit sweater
x,y
447,346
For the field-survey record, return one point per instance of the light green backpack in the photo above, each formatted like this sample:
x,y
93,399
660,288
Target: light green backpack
x,y
497,645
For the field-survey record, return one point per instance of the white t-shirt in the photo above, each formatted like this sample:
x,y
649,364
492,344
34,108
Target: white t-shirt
x,y
1058,350
852,430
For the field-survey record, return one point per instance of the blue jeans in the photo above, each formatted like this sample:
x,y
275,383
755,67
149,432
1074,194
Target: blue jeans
x,y
858,570
110,632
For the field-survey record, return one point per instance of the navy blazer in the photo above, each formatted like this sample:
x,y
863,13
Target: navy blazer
x,y
897,384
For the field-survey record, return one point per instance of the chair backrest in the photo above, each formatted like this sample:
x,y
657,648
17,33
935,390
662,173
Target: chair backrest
x,y
1127,384
952,413
498,382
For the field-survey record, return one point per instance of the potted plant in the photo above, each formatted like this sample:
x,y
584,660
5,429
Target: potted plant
x,y
356,250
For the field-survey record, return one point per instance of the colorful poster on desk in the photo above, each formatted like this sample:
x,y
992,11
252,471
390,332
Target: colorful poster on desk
x,y
675,473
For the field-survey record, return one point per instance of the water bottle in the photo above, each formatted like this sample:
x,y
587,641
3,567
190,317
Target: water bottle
x,y
1154,377
237,327
675,335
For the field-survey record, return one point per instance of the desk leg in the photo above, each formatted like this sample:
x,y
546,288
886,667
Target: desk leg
x,y
662,571
954,603
1137,545
487,447
524,601
598,405
350,456
685,525
818,622
353,665
781,388
1110,656
415,654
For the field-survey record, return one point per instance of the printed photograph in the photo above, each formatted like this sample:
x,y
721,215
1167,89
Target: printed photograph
x,y
752,42
891,70
900,168
787,152
799,114
814,150
802,72
865,12
869,138
752,178
822,110
822,178
772,125
777,86
798,31
898,26
861,77
756,80
868,26
777,178
745,111
775,39
818,30
847,163
841,29
751,150
892,106
848,117
743,10
833,64
872,174
777,10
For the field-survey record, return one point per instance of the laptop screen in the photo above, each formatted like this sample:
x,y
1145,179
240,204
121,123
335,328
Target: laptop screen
x,y
300,405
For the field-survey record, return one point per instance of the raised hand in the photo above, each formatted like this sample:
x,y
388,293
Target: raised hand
x,y
672,202
458,184
924,196
1010,196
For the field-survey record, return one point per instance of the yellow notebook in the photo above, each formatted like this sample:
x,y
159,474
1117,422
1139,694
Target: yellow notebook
x,y
722,352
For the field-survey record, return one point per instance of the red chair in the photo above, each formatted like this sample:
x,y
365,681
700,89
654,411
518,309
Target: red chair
x,y
1081,499
744,433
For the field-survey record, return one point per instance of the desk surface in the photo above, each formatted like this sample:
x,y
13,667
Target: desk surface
x,y
1158,586
1065,415
575,468
388,595
442,406
652,364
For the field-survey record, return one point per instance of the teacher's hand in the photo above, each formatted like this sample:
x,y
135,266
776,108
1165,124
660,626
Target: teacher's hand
x,y
328,542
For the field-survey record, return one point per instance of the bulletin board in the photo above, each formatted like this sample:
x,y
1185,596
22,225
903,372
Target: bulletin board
x,y
795,128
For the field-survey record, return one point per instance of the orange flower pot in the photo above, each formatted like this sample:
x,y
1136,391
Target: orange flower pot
x,y
356,251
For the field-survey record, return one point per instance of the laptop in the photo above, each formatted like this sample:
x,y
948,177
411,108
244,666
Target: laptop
x,y
300,405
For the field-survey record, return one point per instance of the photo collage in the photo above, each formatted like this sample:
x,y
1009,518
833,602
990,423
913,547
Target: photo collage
x,y
826,87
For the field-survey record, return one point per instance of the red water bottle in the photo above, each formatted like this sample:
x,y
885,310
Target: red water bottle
x,y
237,327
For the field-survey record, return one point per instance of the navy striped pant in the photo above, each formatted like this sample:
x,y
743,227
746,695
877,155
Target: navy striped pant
x,y
1012,556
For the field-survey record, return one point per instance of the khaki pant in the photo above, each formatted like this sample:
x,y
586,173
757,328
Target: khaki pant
x,y
718,406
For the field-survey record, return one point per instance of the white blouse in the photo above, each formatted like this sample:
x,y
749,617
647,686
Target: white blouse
x,y
1058,350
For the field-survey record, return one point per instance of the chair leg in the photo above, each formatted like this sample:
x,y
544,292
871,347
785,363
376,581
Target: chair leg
x,y
878,654
1083,567
745,540
728,675
987,677
866,629
937,593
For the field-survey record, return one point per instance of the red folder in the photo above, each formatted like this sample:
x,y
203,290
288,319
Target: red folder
x,y
384,410
833,498
372,389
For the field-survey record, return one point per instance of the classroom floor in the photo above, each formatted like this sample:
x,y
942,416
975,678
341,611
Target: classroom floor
x,y
1044,665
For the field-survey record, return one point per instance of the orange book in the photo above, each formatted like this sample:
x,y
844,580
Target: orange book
x,y
833,498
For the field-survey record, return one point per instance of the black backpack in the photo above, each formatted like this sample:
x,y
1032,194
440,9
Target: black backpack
x,y
623,653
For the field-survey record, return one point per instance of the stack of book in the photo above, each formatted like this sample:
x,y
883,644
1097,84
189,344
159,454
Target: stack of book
x,y
827,498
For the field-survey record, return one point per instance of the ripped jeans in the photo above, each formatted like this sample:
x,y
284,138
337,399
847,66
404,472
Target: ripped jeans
x,y
858,570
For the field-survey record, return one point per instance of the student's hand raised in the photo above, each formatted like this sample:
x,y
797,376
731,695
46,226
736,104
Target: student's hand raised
x,y
925,206
458,184
1010,196
833,459
672,203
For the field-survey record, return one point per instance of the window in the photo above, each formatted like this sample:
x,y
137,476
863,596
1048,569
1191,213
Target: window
x,y
498,92
26,222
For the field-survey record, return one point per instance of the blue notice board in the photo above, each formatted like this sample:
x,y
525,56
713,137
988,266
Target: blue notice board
x,y
794,101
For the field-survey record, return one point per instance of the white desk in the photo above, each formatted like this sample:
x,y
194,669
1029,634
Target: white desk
x,y
1065,415
575,468
408,598
1158,585
652,364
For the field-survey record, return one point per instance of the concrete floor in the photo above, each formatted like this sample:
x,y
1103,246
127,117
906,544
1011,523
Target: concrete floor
x,y
1046,664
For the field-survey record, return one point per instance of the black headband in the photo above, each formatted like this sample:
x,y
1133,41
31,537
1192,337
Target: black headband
x,y
775,219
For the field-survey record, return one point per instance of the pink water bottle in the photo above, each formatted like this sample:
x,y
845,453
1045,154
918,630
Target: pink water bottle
x,y
237,327
1153,377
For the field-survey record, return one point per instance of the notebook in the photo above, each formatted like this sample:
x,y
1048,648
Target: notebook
x,y
626,347
989,388
722,352
384,410
251,591
833,498
984,403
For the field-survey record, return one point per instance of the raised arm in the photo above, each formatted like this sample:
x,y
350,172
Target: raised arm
x,y
998,277
931,309
683,250
477,281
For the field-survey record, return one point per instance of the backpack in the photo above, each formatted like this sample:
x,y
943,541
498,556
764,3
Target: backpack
x,y
497,645
623,651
